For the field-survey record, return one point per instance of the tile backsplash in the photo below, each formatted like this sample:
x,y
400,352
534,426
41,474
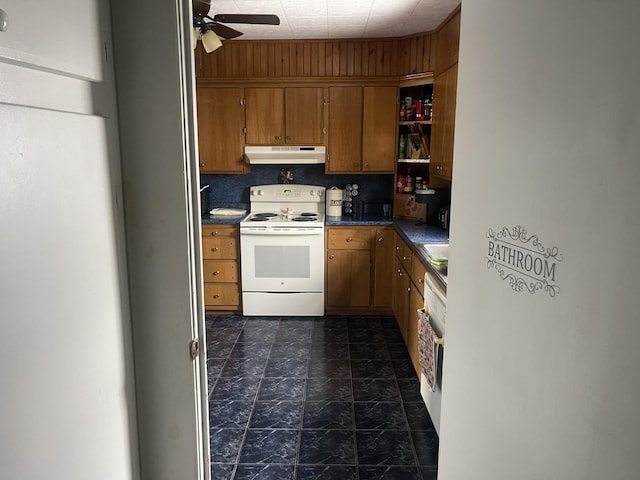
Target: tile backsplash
x,y
233,190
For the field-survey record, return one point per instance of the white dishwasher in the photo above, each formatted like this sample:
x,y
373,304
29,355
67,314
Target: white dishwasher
x,y
435,305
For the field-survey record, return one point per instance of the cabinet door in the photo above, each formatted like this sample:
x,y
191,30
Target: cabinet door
x,y
379,121
443,127
264,110
220,130
304,116
348,278
451,82
383,267
345,130
400,300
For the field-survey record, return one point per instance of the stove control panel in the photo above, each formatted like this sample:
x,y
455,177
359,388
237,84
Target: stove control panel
x,y
295,193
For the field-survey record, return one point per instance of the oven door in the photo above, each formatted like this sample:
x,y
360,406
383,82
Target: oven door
x,y
282,259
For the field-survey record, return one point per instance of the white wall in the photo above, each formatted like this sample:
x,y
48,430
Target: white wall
x,y
67,407
547,137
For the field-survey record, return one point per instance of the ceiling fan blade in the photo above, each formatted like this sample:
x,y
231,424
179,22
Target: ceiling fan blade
x,y
224,31
247,18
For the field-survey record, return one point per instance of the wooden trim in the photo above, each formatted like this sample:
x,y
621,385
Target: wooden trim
x,y
416,79
298,81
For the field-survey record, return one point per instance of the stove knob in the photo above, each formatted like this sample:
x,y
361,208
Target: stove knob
x,y
257,192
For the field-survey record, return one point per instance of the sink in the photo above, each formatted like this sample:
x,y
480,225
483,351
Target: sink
x,y
436,250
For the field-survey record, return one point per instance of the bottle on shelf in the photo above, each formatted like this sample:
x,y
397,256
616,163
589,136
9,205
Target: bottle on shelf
x,y
408,184
402,149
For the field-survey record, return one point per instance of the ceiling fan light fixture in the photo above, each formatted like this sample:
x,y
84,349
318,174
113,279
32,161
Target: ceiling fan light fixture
x,y
210,40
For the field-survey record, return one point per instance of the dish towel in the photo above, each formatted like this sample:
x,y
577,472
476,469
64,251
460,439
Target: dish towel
x,y
427,349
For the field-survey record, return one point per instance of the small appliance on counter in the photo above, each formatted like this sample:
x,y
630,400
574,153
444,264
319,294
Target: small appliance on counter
x,y
334,202
443,218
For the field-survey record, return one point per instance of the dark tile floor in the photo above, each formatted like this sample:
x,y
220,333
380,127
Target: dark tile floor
x,y
319,398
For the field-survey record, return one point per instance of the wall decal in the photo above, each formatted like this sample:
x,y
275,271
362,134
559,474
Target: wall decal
x,y
523,260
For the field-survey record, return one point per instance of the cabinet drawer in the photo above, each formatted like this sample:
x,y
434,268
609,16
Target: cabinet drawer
x,y
214,248
225,271
210,230
404,253
417,274
349,238
216,294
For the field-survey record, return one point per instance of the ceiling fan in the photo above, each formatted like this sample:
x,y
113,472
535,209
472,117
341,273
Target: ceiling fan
x,y
211,28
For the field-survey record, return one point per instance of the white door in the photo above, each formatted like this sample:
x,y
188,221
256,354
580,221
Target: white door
x,y
67,407
158,139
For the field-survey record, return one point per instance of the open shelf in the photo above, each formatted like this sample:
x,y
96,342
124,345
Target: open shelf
x,y
412,122
414,160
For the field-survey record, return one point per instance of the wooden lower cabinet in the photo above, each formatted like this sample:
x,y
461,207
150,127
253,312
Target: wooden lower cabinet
x,y
221,269
401,288
408,285
358,269
384,245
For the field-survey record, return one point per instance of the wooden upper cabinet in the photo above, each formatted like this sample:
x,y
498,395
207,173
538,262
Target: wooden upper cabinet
x,y
277,116
345,130
443,127
220,130
379,122
304,116
264,110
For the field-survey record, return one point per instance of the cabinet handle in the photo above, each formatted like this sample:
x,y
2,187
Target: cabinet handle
x,y
349,240
242,101
409,289
420,280
331,257
215,249
366,165
287,138
381,240
244,129
397,248
216,273
277,138
404,258
213,234
217,295
324,130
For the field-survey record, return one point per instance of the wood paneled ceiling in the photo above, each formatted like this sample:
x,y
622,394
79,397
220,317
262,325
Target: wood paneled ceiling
x,y
323,19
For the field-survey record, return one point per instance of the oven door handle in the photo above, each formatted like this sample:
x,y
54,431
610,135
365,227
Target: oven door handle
x,y
283,233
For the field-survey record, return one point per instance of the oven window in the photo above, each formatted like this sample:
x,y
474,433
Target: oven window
x,y
282,261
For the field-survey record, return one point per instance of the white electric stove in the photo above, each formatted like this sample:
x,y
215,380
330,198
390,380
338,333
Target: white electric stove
x,y
282,251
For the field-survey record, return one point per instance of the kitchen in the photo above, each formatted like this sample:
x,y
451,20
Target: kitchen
x,y
334,107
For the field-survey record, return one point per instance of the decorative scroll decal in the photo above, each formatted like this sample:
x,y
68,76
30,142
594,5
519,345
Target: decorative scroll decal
x,y
523,260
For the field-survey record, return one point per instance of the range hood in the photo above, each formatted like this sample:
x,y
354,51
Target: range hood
x,y
285,155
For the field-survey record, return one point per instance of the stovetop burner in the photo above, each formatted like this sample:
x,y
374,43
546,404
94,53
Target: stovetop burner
x,y
307,218
259,219
308,214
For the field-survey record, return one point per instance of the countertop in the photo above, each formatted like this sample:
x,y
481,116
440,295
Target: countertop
x,y
414,233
